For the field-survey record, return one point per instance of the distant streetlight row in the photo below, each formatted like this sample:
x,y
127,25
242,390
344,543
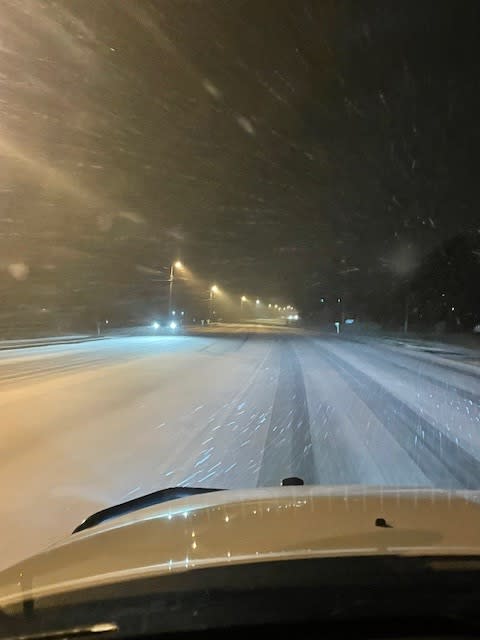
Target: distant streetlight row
x,y
214,290
270,305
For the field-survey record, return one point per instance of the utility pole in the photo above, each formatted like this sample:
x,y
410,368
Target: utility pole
x,y
173,266
170,290
406,313
211,301
342,309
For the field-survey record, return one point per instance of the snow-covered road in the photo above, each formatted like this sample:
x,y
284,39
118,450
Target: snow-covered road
x,y
84,426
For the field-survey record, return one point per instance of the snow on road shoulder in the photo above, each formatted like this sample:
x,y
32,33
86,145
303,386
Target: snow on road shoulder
x,y
456,417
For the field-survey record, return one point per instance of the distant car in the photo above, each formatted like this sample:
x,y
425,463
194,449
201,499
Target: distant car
x,y
164,325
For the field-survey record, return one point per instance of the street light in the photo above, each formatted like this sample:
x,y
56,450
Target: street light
x,y
213,290
174,265
243,299
342,309
257,301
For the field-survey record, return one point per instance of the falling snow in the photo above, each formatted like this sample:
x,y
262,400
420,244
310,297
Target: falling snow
x,y
245,124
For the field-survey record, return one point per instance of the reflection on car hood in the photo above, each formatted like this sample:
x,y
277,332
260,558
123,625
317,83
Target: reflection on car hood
x,y
251,526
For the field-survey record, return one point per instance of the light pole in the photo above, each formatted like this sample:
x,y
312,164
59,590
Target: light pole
x,y
174,265
406,312
213,290
342,310
243,299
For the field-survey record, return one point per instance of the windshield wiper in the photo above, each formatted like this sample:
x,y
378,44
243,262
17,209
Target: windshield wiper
x,y
148,500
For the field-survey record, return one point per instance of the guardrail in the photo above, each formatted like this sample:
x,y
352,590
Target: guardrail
x,y
45,342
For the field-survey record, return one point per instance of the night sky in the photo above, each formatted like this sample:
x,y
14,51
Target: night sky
x,y
282,149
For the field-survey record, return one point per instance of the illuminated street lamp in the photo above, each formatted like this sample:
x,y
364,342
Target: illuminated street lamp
x,y
243,299
174,266
257,301
213,291
342,309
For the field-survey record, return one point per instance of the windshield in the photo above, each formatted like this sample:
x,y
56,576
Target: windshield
x,y
239,243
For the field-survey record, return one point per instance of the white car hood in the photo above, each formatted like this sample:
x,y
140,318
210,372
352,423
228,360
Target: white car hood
x,y
252,526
